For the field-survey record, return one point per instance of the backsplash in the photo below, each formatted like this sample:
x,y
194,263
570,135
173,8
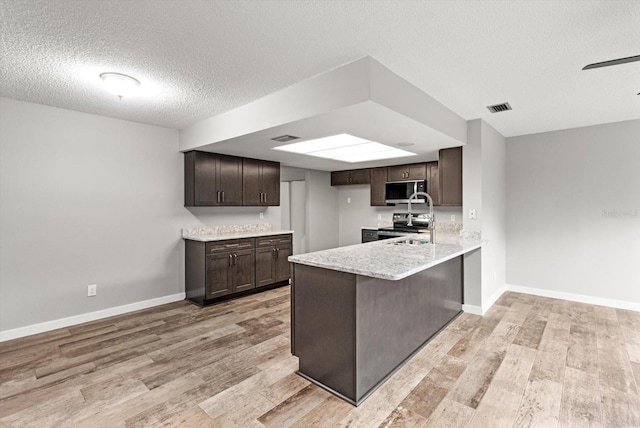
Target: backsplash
x,y
225,229
448,227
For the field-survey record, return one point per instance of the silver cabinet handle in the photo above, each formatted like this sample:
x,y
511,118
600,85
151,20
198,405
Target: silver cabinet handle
x,y
230,257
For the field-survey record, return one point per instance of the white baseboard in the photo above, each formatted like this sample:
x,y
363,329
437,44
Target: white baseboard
x,y
474,310
580,298
493,299
481,310
91,316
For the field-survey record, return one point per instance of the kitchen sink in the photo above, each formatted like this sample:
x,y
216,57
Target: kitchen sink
x,y
410,242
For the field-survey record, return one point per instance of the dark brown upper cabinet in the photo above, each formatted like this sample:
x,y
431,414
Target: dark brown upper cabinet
x,y
378,180
211,179
416,171
433,182
450,174
353,176
260,182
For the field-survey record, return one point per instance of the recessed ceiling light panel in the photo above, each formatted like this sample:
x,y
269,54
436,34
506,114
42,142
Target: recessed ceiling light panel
x,y
345,148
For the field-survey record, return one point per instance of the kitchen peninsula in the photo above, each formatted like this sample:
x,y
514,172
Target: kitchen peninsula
x,y
360,312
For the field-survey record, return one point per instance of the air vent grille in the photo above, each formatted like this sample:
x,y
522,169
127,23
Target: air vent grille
x,y
499,107
285,138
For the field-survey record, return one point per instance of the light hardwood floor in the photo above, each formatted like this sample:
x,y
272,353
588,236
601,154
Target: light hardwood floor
x,y
530,361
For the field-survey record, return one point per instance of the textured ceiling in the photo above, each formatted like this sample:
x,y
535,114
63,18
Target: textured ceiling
x,y
197,59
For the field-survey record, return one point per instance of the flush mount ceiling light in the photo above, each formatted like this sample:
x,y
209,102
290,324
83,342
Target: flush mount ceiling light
x,y
344,148
119,84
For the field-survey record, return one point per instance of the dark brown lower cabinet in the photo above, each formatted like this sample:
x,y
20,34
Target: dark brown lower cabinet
x,y
272,265
220,270
230,272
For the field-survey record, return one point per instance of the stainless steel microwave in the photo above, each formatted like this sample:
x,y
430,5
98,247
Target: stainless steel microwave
x,y
398,192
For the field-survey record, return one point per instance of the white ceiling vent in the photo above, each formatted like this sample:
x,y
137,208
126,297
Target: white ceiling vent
x,y
499,107
285,138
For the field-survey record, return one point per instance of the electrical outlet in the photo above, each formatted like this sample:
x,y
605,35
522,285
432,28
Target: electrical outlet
x,y
472,214
348,200
453,217
92,290
379,216
261,216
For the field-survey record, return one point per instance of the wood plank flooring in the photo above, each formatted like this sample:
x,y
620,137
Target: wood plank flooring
x,y
530,361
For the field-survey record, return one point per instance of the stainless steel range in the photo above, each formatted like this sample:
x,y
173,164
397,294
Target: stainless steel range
x,y
420,223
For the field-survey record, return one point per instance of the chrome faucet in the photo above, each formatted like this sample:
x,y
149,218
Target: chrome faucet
x,y
432,219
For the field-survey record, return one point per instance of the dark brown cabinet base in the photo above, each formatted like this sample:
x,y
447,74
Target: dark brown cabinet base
x,y
352,332
223,270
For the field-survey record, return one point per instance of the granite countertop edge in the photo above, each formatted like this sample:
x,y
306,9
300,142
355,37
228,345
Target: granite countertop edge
x,y
384,249
235,235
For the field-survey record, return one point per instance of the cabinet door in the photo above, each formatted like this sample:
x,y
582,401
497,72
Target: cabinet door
x,y
378,179
340,178
271,183
244,270
450,171
396,173
283,269
218,276
251,182
230,179
360,176
416,171
205,179
265,266
433,182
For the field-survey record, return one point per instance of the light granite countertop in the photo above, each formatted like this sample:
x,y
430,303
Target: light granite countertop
x,y
222,236
386,260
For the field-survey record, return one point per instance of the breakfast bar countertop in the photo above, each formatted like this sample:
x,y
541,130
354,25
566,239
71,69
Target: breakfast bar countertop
x,y
390,259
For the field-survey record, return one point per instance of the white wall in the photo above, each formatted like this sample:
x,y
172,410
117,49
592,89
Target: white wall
x,y
359,213
484,190
494,212
573,213
86,199
322,211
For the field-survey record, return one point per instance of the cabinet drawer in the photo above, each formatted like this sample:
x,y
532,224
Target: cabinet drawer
x,y
230,245
270,241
